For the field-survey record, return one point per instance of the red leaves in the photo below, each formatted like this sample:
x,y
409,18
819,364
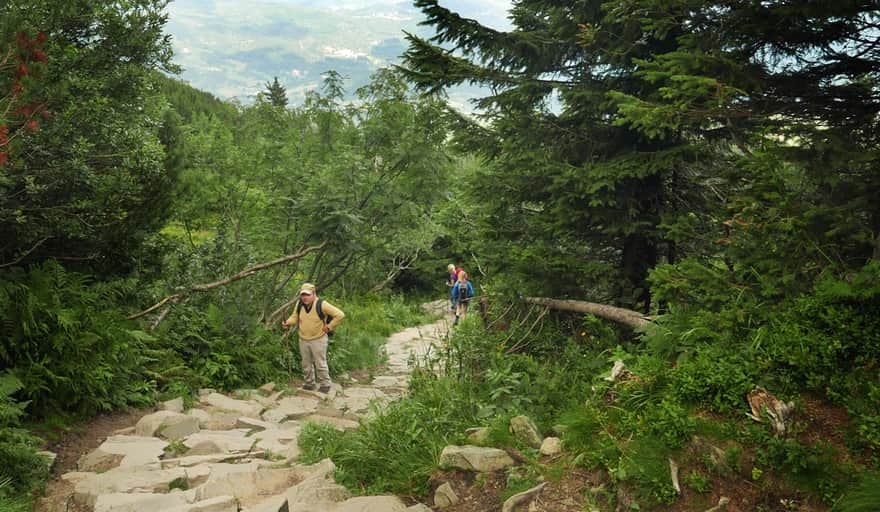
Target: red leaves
x,y
23,62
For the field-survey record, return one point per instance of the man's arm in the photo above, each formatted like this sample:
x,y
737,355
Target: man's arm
x,y
292,320
336,313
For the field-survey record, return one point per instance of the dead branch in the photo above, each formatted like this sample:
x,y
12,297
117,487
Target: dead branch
x,y
624,316
24,255
177,297
399,264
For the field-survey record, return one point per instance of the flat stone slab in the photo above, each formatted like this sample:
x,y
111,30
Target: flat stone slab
x,y
249,485
358,399
370,504
218,504
292,408
134,451
475,458
125,480
390,382
139,502
228,441
247,408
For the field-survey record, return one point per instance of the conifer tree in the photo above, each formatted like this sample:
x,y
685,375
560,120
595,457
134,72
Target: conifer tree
x,y
276,93
585,194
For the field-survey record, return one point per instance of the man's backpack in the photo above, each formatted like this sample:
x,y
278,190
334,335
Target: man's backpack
x,y
319,306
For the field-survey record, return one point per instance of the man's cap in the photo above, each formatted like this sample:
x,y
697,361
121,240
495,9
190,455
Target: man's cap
x,y
307,288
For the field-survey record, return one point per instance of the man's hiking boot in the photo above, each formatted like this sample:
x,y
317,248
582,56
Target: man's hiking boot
x,y
308,387
324,389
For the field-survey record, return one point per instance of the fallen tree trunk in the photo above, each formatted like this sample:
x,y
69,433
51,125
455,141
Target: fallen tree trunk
x,y
177,297
624,316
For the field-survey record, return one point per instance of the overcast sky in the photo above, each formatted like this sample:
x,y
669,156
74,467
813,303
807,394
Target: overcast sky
x,y
231,48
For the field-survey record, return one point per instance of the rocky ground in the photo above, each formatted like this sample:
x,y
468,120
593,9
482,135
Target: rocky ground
x,y
239,452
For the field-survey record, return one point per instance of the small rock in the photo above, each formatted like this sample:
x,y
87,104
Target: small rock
x,y
267,389
520,502
475,458
478,435
616,371
127,431
445,496
524,429
722,504
419,507
551,446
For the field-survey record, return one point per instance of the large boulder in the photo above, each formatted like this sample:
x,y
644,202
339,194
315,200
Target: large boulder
x,y
167,424
475,458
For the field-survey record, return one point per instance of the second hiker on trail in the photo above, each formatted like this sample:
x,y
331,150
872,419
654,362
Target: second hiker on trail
x,y
316,319
461,296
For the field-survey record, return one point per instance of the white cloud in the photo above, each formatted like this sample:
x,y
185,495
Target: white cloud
x,y
342,53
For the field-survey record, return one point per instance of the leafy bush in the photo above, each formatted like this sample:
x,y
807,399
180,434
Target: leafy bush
x,y
65,338
23,472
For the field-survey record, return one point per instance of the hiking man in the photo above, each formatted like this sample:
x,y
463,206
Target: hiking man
x,y
461,295
316,319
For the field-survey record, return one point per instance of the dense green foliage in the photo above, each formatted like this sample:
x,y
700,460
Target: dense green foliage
x,y
711,163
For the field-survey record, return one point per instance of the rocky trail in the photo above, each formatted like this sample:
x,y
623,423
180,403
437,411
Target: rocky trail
x,y
239,452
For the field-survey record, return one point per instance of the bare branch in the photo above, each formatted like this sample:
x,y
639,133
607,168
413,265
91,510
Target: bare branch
x,y
177,297
23,256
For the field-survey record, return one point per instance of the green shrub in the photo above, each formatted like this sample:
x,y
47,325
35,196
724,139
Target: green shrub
x,y
398,449
23,472
67,341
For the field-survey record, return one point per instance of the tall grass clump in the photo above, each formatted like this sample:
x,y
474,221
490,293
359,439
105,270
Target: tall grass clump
x,y
398,449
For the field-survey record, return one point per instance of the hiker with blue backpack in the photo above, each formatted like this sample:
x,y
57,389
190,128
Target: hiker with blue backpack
x,y
316,319
462,292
